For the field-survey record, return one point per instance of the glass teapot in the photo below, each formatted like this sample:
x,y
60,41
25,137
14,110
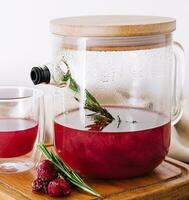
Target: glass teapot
x,y
119,84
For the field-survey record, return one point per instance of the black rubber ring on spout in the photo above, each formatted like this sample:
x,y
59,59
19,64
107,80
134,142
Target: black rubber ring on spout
x,y
40,75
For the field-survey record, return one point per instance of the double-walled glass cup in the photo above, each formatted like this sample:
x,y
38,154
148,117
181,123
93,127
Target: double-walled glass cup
x,y
21,128
120,86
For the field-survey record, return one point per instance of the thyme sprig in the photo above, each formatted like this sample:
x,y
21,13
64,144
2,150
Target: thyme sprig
x,y
100,116
64,170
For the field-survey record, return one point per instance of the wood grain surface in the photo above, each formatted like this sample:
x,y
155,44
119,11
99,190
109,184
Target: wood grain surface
x,y
169,181
112,26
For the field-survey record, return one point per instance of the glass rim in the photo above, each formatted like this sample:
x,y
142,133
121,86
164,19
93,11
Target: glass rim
x,y
19,93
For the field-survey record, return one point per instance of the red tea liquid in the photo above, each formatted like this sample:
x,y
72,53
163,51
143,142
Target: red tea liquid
x,y
17,137
132,149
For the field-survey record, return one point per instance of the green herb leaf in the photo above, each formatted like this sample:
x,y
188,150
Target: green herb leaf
x,y
100,116
64,170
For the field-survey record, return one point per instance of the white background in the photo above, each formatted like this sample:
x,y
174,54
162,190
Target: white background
x,y
25,40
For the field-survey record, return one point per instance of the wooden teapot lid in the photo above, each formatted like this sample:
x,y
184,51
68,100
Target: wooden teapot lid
x,y
112,26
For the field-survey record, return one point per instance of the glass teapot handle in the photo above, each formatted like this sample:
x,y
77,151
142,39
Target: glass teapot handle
x,y
178,82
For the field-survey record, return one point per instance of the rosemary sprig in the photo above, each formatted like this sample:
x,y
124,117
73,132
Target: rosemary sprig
x,y
119,121
100,116
64,170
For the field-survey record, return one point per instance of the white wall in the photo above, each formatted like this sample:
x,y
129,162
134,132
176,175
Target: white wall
x,y
24,32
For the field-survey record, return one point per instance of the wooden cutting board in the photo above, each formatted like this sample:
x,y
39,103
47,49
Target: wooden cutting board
x,y
169,181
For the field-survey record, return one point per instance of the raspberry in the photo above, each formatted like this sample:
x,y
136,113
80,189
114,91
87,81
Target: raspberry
x,y
59,187
45,187
37,185
46,171
40,186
